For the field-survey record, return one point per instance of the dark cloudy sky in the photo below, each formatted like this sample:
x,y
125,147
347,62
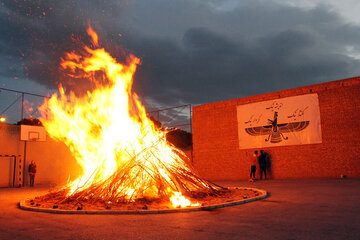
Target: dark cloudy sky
x,y
192,51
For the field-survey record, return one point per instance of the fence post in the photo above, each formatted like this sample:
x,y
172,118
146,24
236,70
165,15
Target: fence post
x,y
47,108
191,132
22,106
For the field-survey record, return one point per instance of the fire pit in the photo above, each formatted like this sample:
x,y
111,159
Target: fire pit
x,y
232,197
127,163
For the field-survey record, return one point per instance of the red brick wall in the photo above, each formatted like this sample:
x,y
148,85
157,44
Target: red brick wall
x,y
215,137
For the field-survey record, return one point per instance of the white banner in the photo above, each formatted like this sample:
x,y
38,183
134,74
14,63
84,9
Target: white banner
x,y
280,122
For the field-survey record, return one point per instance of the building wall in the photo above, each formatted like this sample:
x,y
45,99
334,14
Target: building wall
x,y
53,159
217,155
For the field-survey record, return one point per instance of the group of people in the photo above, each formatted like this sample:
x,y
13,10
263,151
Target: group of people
x,y
263,160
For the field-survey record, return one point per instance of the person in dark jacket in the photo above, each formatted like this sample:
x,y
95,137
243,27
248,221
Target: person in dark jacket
x,y
32,172
262,164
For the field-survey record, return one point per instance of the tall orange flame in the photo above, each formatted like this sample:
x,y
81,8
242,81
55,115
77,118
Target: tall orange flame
x,y
93,35
122,154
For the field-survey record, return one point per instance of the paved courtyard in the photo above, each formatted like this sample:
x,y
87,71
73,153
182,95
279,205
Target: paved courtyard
x,y
295,209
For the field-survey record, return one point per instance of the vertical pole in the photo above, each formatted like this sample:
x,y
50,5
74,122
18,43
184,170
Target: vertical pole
x,y
47,108
21,170
24,163
191,132
22,107
14,171
190,119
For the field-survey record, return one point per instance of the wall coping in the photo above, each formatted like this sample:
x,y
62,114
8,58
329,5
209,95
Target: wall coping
x,y
282,93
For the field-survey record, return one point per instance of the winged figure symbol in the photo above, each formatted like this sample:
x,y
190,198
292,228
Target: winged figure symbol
x,y
275,131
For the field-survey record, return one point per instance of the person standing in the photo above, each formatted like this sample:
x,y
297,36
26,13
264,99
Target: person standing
x,y
254,160
32,172
262,164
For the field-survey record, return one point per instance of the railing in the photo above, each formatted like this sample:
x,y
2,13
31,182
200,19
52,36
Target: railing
x,y
174,117
17,105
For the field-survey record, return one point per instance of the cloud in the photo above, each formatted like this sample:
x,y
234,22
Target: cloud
x,y
191,51
36,34
251,48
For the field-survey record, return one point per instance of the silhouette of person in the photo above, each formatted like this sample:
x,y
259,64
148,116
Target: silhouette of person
x,y
253,161
262,164
32,172
268,164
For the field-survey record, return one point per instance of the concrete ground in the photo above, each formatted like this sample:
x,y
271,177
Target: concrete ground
x,y
296,209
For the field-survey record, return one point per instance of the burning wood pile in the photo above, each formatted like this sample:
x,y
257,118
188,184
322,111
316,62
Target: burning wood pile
x,y
124,157
143,178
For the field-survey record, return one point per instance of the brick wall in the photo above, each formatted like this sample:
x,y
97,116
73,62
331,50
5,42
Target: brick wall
x,y
215,137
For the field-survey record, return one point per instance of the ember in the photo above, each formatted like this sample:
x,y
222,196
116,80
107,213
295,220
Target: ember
x,y
125,158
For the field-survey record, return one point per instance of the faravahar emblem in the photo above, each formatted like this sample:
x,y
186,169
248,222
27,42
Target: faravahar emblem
x,y
275,131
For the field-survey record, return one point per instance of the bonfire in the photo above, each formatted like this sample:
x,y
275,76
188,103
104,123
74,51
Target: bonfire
x,y
125,158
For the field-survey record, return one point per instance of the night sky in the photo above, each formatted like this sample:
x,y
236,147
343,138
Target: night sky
x,y
192,51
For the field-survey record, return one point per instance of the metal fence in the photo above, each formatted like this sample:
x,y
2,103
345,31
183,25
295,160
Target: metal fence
x,y
16,106
174,117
